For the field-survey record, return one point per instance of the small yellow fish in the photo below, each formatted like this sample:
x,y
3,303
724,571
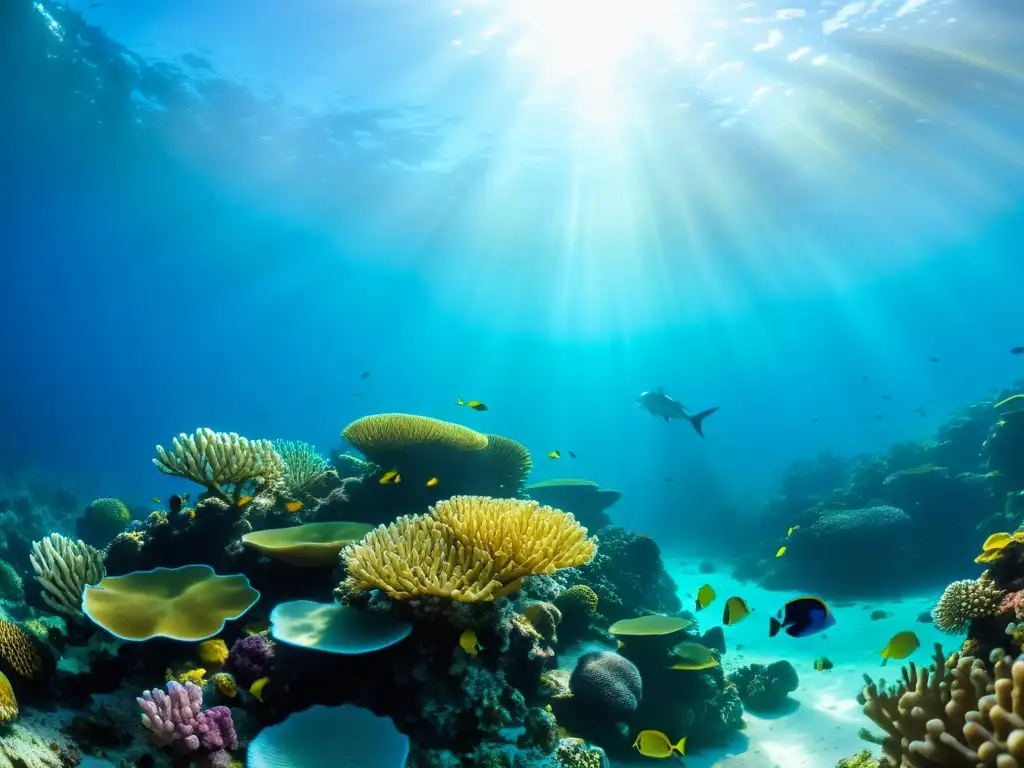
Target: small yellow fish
x,y
657,744
156,500
293,506
554,455
900,646
476,405
781,552
736,610
469,643
191,513
705,596
256,689
390,477
432,482
244,500
791,529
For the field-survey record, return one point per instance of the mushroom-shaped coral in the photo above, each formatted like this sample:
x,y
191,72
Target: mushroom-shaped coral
x,y
966,600
218,459
584,498
470,548
387,438
650,626
64,567
313,545
190,603
325,737
335,628
607,685
507,462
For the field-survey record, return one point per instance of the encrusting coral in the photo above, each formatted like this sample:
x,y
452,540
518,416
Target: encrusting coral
x,y
219,459
960,717
966,600
64,567
470,548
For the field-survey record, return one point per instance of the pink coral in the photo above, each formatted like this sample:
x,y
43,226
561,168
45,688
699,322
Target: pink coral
x,y
1014,601
177,719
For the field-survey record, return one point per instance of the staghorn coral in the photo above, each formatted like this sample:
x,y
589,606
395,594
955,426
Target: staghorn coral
x,y
470,549
303,466
966,600
959,717
64,567
17,650
219,459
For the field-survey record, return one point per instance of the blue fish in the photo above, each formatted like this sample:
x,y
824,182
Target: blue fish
x,y
802,617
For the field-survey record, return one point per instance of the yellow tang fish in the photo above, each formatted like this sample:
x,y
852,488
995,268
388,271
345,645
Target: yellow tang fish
x,y
476,405
781,552
900,646
244,500
657,744
432,482
256,689
736,610
389,477
554,455
469,643
705,596
293,506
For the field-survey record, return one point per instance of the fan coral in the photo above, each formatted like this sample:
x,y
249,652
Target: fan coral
x,y
8,701
469,548
607,685
219,459
250,658
64,567
17,650
177,719
960,717
966,600
303,466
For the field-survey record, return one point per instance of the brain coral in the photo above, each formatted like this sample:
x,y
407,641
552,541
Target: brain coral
x,y
966,600
608,685
102,521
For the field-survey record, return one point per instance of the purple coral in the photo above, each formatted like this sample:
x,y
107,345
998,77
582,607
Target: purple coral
x,y
177,719
250,658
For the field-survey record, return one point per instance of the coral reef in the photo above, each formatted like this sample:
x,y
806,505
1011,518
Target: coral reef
x,y
765,687
966,600
64,568
102,521
177,719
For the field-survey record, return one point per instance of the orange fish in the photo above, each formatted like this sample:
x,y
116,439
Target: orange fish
x,y
244,500
293,506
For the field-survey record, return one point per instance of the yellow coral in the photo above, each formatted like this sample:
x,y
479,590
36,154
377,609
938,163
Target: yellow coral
x,y
970,646
225,685
197,676
213,652
379,436
579,595
966,600
8,701
470,548
17,650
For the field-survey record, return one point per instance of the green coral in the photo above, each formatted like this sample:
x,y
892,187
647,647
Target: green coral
x,y
574,753
862,759
579,598
12,588
102,521
303,466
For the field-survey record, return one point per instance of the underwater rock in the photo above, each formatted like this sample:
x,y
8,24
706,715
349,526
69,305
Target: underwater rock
x,y
714,638
765,688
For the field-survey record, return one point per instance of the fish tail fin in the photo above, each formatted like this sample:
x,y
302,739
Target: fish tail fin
x,y
697,420
681,746
458,401
774,625
885,657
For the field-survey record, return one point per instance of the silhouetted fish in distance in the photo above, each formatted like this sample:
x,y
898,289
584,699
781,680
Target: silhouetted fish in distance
x,y
657,403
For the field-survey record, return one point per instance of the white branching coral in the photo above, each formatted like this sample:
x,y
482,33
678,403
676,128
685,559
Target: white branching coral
x,y
219,459
64,567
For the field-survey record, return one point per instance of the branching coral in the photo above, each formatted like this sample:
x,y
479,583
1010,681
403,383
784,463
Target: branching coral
x,y
966,600
177,719
303,466
64,567
219,459
961,717
470,548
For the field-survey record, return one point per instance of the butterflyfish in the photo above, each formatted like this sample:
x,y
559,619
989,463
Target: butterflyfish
x,y
736,610
476,405
705,596
802,617
900,646
554,455
432,482
781,552
657,744
390,477
256,689
293,506
469,643
175,503
822,663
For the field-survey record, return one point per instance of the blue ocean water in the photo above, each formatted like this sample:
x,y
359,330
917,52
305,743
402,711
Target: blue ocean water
x,y
223,215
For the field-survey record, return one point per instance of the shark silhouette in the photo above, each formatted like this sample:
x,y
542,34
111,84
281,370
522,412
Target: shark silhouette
x,y
657,403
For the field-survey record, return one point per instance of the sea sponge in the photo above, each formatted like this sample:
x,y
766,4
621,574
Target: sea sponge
x,y
189,603
212,652
383,437
966,600
470,549
102,521
64,567
303,466
607,685
250,658
218,459
225,685
17,650
8,701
